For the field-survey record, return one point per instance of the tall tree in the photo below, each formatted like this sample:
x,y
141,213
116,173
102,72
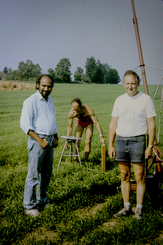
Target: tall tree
x,y
28,70
13,75
51,73
105,68
101,73
6,70
78,74
91,67
113,76
62,71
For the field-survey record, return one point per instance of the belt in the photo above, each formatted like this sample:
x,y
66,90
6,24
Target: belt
x,y
128,137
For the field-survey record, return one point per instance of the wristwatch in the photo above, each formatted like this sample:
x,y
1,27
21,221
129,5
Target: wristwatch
x,y
150,146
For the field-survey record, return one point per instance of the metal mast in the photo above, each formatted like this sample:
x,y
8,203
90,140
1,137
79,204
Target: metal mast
x,y
142,65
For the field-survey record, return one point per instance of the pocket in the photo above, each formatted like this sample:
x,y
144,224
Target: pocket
x,y
117,138
31,142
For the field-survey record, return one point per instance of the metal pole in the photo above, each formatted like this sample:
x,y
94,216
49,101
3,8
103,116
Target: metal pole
x,y
159,126
142,65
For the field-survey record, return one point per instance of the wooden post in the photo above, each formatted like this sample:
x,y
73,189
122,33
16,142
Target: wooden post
x,y
103,157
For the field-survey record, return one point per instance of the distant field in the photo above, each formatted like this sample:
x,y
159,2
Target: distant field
x,y
83,200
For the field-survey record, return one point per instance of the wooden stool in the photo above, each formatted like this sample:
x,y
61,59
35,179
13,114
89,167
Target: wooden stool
x,y
70,140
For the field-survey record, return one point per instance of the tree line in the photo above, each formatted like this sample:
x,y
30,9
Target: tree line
x,y
95,72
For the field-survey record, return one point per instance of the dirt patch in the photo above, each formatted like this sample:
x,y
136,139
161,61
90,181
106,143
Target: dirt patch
x,y
7,85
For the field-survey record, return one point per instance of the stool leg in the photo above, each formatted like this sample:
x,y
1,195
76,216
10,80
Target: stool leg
x,y
78,153
62,154
70,152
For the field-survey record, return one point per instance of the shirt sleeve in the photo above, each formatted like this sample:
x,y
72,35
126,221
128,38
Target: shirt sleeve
x,y
115,110
150,108
26,117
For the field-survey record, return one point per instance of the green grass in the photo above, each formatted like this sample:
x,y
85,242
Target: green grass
x,y
83,199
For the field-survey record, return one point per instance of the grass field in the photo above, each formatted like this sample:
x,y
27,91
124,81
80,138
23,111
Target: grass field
x,y
83,199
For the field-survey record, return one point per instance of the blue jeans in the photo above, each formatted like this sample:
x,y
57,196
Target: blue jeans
x,y
39,172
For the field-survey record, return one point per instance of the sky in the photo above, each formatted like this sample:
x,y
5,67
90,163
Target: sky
x,y
45,31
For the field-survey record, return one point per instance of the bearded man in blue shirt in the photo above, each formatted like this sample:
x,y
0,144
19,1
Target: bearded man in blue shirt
x,y
38,120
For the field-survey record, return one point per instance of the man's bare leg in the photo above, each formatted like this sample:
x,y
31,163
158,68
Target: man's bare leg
x,y
89,134
78,133
125,188
140,179
125,180
141,188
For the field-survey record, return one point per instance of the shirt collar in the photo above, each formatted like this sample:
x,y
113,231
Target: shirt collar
x,y
39,95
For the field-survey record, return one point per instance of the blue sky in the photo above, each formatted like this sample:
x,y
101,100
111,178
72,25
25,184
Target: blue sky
x,y
46,31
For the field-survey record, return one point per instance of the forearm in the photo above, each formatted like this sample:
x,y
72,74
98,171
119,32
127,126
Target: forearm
x,y
151,135
42,142
99,129
111,150
112,133
151,129
35,136
69,131
151,139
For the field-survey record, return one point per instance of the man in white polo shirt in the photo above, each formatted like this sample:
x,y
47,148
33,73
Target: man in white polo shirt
x,y
132,113
38,120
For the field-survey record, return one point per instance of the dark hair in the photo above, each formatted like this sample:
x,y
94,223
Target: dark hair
x,y
134,74
46,75
77,100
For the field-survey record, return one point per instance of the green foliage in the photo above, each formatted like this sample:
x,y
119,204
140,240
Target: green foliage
x,y
96,72
86,79
51,73
78,76
85,198
13,75
101,73
28,70
6,70
91,67
113,76
62,71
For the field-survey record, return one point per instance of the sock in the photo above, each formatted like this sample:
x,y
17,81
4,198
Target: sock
x,y
127,205
139,206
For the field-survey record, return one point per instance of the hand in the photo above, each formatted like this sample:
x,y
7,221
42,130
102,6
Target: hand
x,y
148,153
102,140
43,143
111,152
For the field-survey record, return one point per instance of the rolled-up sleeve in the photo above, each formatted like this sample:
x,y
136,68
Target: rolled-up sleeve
x,y
26,118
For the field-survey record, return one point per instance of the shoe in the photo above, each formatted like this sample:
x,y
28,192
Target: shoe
x,y
32,212
123,213
138,214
